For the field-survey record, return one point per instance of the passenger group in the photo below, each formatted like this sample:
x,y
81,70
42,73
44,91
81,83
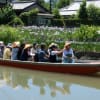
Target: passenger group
x,y
37,52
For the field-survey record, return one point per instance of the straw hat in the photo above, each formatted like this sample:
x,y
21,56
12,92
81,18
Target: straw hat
x,y
53,44
27,46
16,44
67,43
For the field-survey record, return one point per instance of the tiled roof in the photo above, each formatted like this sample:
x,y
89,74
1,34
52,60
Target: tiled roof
x,y
74,7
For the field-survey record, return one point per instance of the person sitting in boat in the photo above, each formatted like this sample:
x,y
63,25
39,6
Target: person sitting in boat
x,y
15,48
7,51
22,45
1,48
25,52
34,52
68,55
53,52
43,54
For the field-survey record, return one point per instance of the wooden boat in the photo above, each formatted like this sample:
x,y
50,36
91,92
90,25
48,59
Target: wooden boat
x,y
74,68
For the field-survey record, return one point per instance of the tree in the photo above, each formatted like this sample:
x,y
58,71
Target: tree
x,y
56,13
82,14
41,1
62,3
6,14
93,12
28,17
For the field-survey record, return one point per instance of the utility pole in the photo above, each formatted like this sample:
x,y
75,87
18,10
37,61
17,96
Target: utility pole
x,y
50,1
6,1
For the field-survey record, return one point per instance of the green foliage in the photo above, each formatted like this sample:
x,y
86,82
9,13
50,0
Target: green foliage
x,y
33,12
42,2
82,14
27,17
56,13
8,34
85,33
16,21
24,17
6,14
86,46
93,12
62,3
47,5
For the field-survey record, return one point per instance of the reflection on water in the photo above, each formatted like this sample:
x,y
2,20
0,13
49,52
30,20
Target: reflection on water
x,y
18,84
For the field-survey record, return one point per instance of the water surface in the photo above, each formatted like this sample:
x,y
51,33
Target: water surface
x,y
19,84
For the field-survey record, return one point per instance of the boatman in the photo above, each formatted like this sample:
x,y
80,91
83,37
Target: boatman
x,y
68,55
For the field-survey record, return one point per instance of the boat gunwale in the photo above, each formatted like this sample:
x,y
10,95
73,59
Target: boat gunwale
x,y
53,64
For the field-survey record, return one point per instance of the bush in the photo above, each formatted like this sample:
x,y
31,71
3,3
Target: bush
x,y
28,17
24,17
8,34
16,22
93,12
85,33
6,14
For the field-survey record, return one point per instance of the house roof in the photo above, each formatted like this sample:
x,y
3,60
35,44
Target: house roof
x,y
21,5
74,7
28,5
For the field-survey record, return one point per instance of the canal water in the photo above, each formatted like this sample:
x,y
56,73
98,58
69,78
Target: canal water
x,y
19,84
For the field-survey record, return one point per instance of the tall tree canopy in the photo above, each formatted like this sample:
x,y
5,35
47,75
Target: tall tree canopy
x,y
6,14
93,12
82,14
62,3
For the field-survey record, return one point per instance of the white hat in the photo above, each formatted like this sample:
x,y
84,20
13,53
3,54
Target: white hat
x,y
9,45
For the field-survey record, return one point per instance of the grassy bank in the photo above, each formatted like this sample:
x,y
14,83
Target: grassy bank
x,y
86,36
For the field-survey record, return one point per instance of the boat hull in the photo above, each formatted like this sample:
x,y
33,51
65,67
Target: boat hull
x,y
75,68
